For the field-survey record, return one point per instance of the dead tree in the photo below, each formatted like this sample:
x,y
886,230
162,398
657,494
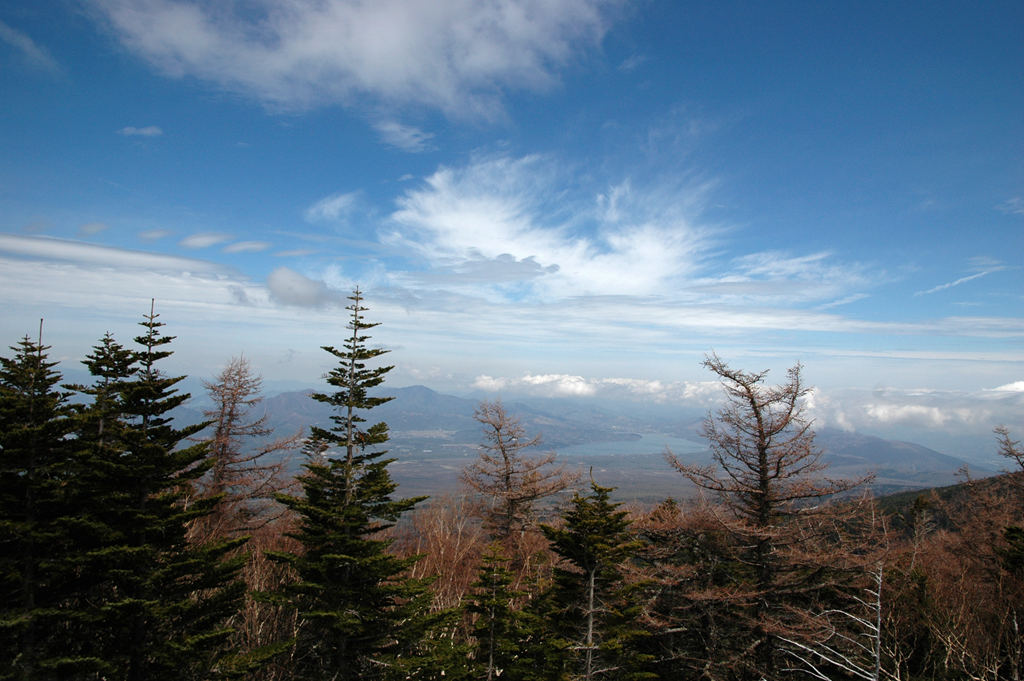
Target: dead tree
x,y
766,471
510,479
249,467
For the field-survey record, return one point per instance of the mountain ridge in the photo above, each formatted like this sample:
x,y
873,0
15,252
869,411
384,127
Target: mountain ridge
x,y
434,435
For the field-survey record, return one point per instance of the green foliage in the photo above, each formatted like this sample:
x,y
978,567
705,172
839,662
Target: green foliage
x,y
503,631
160,605
1013,554
34,532
359,616
695,601
591,610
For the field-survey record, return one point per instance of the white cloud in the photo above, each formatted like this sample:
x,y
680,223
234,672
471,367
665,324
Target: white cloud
x,y
289,287
489,383
1015,387
690,393
294,253
204,240
630,243
148,131
921,415
247,247
454,55
332,208
154,234
560,384
36,56
404,137
826,412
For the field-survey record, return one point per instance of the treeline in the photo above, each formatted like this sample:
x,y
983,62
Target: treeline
x,y
131,548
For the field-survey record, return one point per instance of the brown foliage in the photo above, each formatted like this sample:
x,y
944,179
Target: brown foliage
x,y
509,479
766,473
976,599
447,536
248,468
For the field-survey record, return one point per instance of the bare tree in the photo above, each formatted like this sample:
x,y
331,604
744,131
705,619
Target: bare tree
x,y
848,639
766,471
248,467
852,633
510,479
449,541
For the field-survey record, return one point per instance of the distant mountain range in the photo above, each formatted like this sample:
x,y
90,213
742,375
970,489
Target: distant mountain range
x,y
434,436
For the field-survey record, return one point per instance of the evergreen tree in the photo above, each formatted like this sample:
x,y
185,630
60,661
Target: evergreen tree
x,y
594,628
502,630
154,606
34,535
695,593
359,617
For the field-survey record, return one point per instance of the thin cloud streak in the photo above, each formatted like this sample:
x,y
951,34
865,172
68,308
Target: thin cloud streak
x,y
88,255
35,55
958,282
148,131
206,240
247,247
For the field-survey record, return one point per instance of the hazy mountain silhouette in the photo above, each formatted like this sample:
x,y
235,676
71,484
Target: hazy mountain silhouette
x,y
433,436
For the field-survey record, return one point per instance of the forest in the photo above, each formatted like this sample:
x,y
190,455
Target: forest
x,y
135,548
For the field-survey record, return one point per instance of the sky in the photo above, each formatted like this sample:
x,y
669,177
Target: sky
x,y
548,197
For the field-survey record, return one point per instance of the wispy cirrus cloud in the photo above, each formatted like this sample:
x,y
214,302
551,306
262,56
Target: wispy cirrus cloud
x,y
624,242
34,55
332,208
516,218
631,62
784,279
453,55
404,137
1012,206
957,282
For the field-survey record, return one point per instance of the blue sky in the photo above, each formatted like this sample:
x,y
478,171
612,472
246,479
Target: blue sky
x,y
563,197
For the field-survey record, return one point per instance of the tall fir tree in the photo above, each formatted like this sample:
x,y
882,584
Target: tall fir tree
x,y
504,631
34,535
591,610
156,605
359,616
